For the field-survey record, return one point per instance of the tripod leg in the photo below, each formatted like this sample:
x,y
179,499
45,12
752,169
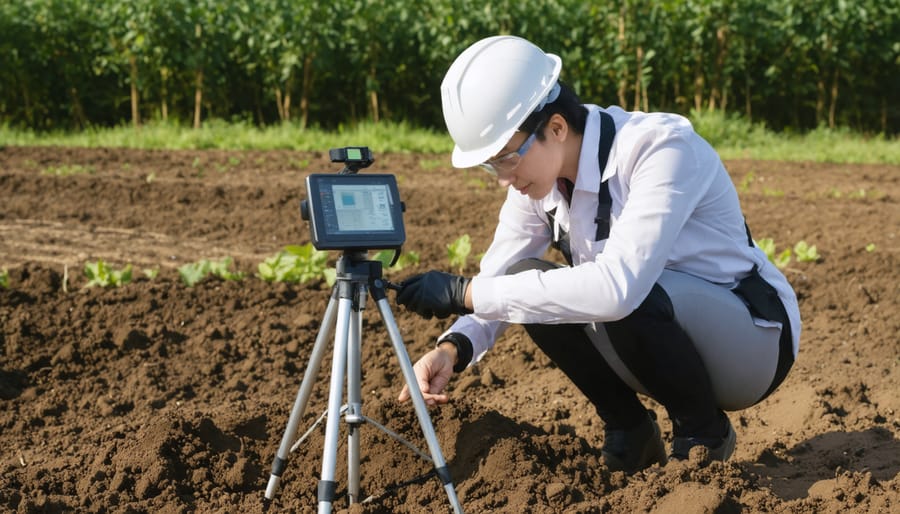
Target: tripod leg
x,y
418,400
327,484
353,415
309,378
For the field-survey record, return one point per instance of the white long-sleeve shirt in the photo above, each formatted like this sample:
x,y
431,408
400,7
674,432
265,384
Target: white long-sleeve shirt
x,y
673,206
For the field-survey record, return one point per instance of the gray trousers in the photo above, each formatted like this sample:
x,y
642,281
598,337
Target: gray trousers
x,y
739,352
691,345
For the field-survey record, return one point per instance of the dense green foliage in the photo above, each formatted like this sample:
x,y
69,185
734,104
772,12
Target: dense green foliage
x,y
789,63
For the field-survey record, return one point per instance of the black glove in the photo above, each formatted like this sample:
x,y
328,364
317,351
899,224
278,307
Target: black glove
x,y
434,293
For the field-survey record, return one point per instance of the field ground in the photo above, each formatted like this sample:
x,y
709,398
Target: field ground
x,y
156,397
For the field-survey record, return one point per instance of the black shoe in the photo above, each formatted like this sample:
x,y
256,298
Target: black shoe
x,y
720,448
634,449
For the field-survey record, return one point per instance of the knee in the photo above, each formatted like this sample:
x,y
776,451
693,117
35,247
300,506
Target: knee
x,y
530,264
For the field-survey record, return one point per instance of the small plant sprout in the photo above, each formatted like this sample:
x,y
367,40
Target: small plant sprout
x,y
151,273
101,274
405,259
66,170
194,272
746,181
780,260
870,247
4,279
458,252
297,264
805,252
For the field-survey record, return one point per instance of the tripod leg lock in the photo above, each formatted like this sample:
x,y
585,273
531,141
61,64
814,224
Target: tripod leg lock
x,y
353,415
443,473
327,491
278,466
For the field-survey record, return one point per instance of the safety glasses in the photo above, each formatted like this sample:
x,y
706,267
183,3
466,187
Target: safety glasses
x,y
507,163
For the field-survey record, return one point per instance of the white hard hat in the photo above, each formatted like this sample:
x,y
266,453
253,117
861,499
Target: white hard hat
x,y
490,89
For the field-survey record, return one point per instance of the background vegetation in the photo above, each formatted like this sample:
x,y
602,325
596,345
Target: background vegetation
x,y
791,64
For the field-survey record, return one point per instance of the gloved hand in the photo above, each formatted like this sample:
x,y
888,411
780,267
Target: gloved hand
x,y
434,293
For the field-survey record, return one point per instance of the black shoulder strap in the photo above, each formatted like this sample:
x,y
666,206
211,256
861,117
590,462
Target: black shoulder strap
x,y
604,205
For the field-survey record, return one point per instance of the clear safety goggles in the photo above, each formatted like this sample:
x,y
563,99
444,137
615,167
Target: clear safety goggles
x,y
507,163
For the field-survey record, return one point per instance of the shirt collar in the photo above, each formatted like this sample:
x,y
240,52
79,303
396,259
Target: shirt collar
x,y
588,166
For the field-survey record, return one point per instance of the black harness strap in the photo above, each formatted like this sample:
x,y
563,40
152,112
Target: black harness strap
x,y
604,202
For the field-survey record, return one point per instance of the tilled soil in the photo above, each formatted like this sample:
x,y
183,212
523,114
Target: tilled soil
x,y
158,397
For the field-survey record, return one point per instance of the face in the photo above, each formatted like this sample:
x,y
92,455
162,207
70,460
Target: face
x,y
528,164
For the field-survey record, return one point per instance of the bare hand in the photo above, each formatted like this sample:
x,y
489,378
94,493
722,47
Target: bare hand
x,y
433,372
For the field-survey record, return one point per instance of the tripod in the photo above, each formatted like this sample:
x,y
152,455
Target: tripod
x,y
355,276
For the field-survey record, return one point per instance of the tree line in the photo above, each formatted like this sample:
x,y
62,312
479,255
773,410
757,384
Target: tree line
x,y
793,64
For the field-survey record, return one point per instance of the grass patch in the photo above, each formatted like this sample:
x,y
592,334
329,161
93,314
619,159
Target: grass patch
x,y
217,134
737,138
734,137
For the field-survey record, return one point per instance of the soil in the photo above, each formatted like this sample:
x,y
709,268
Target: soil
x,y
158,397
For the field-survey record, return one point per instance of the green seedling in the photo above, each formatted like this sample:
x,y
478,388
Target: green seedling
x,y
4,279
458,252
101,274
405,259
68,169
746,181
430,164
194,272
870,247
805,252
477,183
151,273
297,264
780,260
859,194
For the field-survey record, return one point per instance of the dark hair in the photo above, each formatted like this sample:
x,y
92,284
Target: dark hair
x,y
567,105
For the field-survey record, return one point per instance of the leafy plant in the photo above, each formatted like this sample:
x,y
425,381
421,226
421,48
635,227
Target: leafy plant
x,y
4,279
870,247
297,264
780,260
805,252
194,272
405,259
458,252
151,273
101,274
